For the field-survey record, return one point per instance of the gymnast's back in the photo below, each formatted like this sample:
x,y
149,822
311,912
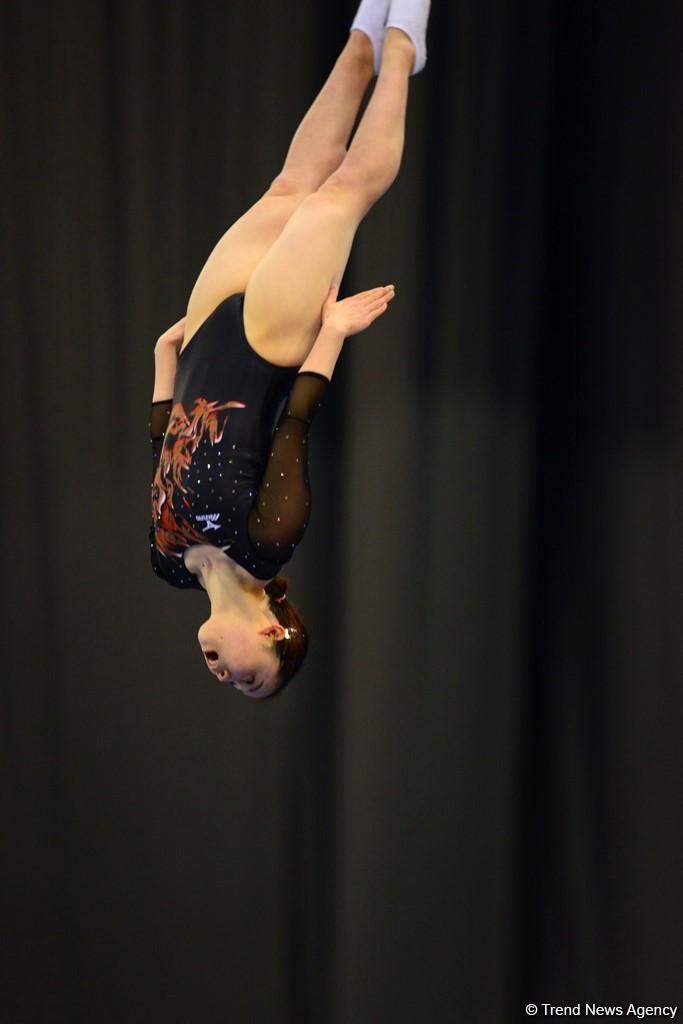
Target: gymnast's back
x,y
229,453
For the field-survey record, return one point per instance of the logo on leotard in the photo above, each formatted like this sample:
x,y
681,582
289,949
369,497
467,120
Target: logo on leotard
x,y
210,521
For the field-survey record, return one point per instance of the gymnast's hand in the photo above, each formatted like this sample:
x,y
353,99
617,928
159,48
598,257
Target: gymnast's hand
x,y
173,337
357,312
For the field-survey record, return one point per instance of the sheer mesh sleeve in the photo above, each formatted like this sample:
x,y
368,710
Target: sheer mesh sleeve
x,y
278,519
158,421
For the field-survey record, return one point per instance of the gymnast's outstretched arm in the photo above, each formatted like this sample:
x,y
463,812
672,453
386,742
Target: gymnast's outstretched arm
x,y
279,517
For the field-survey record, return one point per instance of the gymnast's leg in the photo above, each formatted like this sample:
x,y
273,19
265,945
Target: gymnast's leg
x,y
316,150
319,143
285,293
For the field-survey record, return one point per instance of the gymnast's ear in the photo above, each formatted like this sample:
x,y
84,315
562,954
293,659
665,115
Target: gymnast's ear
x,y
275,631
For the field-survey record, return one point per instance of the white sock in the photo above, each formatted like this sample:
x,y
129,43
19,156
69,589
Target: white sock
x,y
370,18
412,16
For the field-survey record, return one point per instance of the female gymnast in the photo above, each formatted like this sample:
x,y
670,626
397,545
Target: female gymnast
x,y
239,379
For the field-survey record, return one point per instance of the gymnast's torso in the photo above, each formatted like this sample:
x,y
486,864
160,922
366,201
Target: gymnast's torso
x,y
220,475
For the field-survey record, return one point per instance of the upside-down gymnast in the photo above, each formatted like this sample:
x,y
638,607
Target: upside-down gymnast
x,y
240,377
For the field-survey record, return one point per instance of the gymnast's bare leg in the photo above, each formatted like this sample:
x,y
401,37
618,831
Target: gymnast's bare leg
x,y
316,150
287,288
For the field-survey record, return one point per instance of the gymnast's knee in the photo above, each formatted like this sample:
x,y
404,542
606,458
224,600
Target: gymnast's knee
x,y
350,186
290,183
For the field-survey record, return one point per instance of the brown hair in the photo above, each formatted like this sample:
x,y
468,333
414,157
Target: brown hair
x,y
290,653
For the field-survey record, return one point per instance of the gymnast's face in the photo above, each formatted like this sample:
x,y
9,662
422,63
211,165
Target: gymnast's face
x,y
241,652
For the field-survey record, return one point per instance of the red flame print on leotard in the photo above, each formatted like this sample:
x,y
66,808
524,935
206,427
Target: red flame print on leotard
x,y
173,532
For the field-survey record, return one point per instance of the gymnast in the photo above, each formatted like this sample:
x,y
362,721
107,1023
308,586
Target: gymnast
x,y
239,379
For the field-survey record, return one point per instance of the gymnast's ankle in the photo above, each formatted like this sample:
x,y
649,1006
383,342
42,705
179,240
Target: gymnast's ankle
x,y
370,18
412,16
397,38
360,46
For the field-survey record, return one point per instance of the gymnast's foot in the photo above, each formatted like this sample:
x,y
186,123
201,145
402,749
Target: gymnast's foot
x,y
370,18
411,16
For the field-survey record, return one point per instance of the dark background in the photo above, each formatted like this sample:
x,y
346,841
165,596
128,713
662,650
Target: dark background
x,y
470,798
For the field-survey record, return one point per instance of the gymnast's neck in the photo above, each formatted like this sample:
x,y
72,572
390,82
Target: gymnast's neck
x,y
226,582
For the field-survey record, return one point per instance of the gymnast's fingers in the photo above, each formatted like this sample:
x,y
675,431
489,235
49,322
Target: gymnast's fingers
x,y
375,292
384,297
380,302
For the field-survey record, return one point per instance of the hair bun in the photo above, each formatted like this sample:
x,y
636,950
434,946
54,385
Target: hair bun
x,y
277,589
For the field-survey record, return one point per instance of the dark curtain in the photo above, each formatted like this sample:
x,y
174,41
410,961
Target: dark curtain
x,y
470,799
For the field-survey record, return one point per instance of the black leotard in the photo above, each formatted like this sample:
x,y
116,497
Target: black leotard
x,y
227,469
